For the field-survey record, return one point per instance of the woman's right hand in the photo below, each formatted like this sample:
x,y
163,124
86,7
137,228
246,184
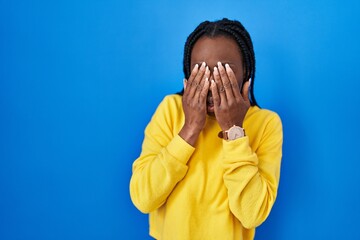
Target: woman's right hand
x,y
194,103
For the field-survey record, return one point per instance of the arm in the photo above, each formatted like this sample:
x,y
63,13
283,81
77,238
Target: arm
x,y
252,178
161,165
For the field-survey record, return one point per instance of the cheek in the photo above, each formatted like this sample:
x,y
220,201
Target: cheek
x,y
240,83
239,77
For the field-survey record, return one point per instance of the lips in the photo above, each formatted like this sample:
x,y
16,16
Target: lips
x,y
209,99
210,103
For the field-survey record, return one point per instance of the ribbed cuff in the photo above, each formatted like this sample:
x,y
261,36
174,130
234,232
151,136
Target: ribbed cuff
x,y
237,149
180,149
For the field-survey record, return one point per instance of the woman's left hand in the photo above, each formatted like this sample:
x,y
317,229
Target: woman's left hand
x,y
230,106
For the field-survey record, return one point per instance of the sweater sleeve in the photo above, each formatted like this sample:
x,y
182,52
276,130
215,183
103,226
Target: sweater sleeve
x,y
252,178
162,162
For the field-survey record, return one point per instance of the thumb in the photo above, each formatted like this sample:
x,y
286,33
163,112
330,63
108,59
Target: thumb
x,y
185,83
245,93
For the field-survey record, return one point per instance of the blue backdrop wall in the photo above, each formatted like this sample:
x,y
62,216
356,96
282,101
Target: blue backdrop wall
x,y
79,81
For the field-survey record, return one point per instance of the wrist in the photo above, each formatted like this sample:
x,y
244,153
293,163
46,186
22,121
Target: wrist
x,y
190,135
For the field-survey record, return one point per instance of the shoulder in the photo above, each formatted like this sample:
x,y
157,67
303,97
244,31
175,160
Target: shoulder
x,y
171,100
168,116
264,129
169,107
260,116
170,103
256,112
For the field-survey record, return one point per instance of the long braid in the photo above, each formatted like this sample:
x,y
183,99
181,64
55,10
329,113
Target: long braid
x,y
229,28
190,42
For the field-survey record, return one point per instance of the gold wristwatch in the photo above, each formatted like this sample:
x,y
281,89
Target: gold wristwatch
x,y
233,133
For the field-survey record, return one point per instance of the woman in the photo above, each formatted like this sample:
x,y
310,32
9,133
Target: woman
x,y
210,161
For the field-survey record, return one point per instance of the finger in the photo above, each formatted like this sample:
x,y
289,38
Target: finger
x,y
202,83
234,84
190,79
204,91
220,87
193,73
215,94
186,88
226,83
197,80
245,92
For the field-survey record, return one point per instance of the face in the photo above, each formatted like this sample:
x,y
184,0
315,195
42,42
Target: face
x,y
218,49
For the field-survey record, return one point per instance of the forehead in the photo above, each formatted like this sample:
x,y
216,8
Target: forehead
x,y
220,48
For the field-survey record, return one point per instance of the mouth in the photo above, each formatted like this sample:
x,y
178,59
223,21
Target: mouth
x,y
209,103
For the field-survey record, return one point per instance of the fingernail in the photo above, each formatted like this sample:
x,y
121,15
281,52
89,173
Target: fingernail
x,y
219,64
203,64
196,66
215,70
213,83
206,79
227,65
207,69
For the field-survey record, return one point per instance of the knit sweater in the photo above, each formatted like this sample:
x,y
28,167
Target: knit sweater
x,y
217,189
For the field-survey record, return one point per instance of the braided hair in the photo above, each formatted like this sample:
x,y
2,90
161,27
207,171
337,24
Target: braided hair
x,y
229,28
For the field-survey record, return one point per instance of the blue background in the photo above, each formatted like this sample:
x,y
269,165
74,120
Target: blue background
x,y
79,81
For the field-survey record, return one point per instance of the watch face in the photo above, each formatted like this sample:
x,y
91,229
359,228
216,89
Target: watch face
x,y
235,132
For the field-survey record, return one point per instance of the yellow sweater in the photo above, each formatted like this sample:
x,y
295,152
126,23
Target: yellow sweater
x,y
216,190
